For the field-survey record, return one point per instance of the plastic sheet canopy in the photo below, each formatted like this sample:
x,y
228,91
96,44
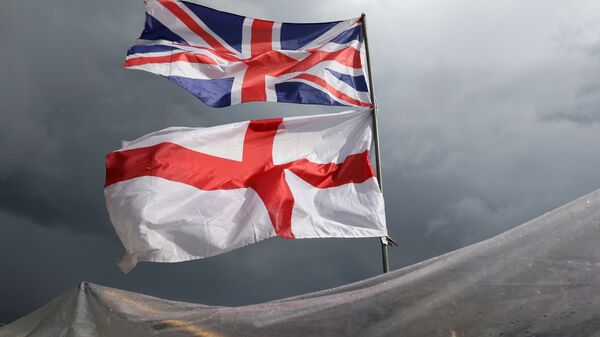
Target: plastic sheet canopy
x,y
539,279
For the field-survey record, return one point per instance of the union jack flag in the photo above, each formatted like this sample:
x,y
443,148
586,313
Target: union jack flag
x,y
226,59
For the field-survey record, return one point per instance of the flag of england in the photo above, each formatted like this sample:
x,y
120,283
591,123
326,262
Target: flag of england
x,y
186,193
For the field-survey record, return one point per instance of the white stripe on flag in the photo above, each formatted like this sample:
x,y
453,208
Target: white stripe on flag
x,y
331,33
247,38
276,36
324,139
224,141
343,211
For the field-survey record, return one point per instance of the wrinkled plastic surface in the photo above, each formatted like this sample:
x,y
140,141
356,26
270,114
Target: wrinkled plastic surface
x,y
540,279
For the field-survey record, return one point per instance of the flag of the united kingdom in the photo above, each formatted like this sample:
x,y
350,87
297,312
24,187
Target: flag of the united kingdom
x,y
226,59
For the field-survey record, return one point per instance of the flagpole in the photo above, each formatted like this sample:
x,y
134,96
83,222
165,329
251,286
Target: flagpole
x,y
384,240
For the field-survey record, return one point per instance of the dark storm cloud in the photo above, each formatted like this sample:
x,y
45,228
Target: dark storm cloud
x,y
468,140
489,118
41,262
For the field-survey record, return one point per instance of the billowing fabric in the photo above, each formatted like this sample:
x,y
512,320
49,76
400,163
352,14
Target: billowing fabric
x,y
540,279
226,59
186,193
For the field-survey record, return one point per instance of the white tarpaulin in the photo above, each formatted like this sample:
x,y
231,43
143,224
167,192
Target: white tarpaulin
x,y
540,279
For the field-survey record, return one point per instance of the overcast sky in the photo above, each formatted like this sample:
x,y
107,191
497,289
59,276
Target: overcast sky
x,y
490,117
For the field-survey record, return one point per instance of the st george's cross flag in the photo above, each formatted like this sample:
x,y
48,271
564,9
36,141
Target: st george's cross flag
x,y
186,193
226,59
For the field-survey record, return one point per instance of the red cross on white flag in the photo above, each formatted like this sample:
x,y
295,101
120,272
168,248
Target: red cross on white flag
x,y
186,193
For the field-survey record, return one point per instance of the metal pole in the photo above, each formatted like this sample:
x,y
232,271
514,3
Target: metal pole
x,y
384,241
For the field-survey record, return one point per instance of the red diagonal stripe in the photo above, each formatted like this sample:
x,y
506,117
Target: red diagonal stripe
x,y
349,56
179,57
172,6
321,82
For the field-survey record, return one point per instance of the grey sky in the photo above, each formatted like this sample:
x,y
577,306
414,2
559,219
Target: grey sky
x,y
490,117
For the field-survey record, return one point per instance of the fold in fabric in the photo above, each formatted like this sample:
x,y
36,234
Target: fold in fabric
x,y
186,193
